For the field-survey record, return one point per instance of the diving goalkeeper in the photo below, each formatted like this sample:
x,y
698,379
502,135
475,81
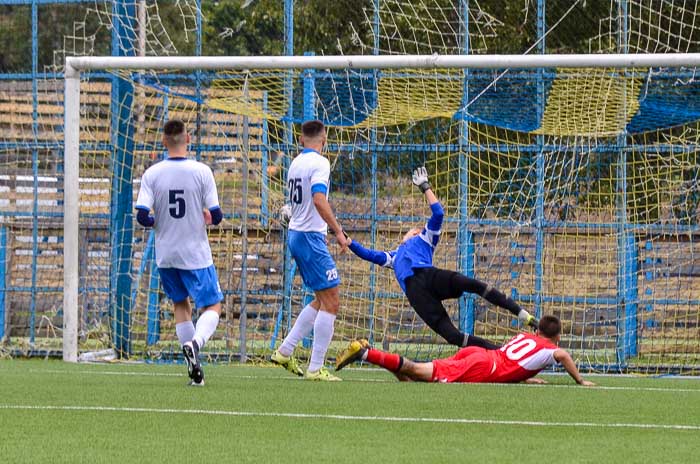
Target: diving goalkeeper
x,y
426,286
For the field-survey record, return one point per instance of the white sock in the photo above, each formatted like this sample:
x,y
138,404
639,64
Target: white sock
x,y
206,326
184,331
323,333
523,315
301,328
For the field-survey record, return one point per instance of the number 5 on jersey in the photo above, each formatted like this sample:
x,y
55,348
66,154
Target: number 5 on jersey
x,y
177,203
295,190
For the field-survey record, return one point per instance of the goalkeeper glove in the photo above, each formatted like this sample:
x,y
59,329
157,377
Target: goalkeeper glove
x,y
420,178
285,215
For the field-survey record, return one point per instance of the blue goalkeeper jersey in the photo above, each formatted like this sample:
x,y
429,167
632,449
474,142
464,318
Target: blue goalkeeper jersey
x,y
415,253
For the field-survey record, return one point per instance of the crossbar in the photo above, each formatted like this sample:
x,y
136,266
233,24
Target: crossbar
x,y
613,60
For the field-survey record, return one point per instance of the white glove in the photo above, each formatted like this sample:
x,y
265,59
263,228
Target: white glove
x,y
285,214
420,178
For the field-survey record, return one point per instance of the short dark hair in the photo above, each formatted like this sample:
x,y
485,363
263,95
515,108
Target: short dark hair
x,y
174,132
312,129
549,326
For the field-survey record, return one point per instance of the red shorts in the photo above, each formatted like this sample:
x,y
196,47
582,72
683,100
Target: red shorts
x,y
470,365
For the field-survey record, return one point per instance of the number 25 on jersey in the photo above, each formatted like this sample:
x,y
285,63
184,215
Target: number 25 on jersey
x,y
295,190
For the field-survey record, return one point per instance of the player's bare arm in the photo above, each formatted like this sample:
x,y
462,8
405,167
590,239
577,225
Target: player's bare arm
x,y
564,358
324,209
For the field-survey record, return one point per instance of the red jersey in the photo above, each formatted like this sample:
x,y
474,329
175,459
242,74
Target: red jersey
x,y
521,358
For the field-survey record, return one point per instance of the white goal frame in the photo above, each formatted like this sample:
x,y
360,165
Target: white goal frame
x,y
75,65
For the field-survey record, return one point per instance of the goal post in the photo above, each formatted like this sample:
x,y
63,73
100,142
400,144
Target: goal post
x,y
525,188
71,214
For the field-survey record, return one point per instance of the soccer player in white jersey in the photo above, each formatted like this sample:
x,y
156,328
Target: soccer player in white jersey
x,y
523,357
308,181
182,195
427,286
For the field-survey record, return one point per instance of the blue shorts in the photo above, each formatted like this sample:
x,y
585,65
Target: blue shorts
x,y
201,284
314,262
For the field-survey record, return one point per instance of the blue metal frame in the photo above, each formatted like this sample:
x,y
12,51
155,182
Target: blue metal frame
x,y
626,242
121,221
153,309
631,296
3,279
374,174
265,153
288,268
383,148
540,161
35,171
465,237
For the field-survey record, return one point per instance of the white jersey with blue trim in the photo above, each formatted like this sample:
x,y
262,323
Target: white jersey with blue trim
x,y
309,173
178,190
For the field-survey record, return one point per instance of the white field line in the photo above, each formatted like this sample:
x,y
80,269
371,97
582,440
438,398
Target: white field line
x,y
439,420
183,374
256,377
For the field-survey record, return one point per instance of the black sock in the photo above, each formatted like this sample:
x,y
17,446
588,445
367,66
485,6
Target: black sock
x,y
497,297
461,283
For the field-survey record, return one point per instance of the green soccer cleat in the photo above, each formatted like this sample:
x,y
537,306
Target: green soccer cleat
x,y
288,362
322,374
352,353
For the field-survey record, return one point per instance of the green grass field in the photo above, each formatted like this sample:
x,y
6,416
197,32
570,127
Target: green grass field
x,y
56,412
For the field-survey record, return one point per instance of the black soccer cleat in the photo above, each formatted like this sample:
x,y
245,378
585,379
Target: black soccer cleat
x,y
194,367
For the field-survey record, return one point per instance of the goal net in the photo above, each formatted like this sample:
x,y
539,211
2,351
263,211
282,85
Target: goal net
x,y
573,190
571,187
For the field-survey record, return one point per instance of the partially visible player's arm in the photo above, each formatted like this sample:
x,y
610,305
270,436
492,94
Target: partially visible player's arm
x,y
435,221
324,209
420,179
144,202
564,358
373,256
535,381
144,217
212,214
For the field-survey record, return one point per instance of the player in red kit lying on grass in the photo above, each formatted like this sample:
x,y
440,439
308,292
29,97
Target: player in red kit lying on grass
x,y
523,357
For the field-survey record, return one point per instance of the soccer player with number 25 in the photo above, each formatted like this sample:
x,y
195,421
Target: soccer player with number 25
x,y
308,181
182,194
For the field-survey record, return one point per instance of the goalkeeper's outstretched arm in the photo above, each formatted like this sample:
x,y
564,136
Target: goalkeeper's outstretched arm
x,y
382,258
